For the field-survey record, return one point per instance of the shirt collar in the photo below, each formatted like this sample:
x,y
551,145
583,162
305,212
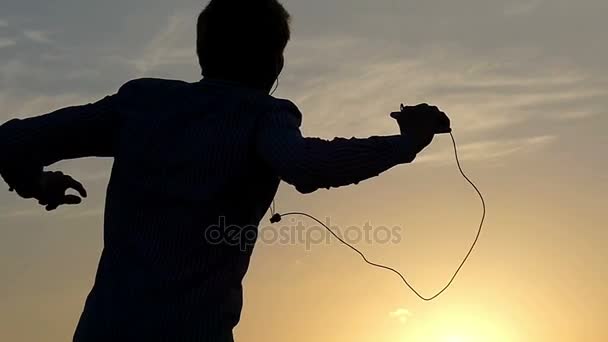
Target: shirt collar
x,y
231,84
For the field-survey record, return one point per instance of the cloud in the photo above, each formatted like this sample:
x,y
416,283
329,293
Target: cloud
x,y
347,86
172,45
11,69
102,176
22,213
3,23
400,314
23,105
522,7
67,212
7,42
488,150
97,212
37,36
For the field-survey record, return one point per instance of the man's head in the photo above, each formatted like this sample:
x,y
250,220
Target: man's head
x,y
243,41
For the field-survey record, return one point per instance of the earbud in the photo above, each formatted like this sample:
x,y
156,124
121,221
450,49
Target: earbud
x,y
276,218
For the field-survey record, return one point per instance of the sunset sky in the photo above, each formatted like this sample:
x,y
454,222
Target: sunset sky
x,y
524,81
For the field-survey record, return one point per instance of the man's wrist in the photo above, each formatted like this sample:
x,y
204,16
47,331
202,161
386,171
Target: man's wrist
x,y
24,180
407,151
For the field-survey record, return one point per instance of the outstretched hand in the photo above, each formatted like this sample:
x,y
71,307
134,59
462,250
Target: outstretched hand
x,y
420,124
50,190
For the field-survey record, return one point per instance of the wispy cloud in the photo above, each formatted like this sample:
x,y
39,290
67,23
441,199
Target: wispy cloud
x,y
522,7
37,36
400,314
14,104
172,45
22,213
67,212
96,212
483,94
488,150
96,177
7,42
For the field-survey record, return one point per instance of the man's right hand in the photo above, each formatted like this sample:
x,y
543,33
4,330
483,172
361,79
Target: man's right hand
x,y
49,188
420,123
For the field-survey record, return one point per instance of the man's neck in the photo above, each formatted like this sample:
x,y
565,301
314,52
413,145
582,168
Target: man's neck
x,y
235,84
258,86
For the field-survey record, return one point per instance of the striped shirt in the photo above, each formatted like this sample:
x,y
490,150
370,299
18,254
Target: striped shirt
x,y
194,163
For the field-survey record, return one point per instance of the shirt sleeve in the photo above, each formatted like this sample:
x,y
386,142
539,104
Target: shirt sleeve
x,y
28,145
313,163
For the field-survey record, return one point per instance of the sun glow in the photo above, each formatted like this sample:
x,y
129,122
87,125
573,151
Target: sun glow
x,y
482,337
455,339
449,327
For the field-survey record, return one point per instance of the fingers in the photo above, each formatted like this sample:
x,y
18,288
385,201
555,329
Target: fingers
x,y
71,183
57,202
72,200
54,191
444,130
52,207
442,116
57,181
68,199
445,125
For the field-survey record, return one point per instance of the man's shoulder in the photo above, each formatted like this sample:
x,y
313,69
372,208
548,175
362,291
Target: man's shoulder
x,y
277,110
152,85
282,106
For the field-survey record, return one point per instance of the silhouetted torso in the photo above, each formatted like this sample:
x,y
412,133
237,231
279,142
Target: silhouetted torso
x,y
184,161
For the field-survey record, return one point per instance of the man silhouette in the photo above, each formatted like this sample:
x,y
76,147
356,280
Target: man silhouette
x,y
187,156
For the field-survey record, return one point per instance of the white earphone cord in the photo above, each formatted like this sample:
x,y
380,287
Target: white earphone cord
x,y
275,87
387,268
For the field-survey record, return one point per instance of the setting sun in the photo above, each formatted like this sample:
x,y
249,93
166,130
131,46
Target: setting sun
x,y
456,339
454,327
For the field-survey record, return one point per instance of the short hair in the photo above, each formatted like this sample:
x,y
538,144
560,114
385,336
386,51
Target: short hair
x,y
241,37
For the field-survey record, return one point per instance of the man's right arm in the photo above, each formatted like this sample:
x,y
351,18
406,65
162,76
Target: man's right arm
x,y
28,145
313,163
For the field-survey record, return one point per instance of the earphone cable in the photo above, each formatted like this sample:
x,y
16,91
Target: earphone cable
x,y
275,87
387,268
